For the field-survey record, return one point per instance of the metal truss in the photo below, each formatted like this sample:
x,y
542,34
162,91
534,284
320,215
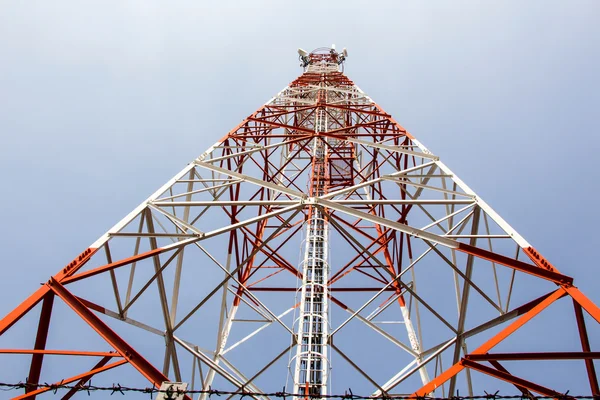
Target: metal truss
x,y
317,245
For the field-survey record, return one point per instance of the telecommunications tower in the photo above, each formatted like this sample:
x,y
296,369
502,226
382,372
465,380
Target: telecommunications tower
x,y
318,246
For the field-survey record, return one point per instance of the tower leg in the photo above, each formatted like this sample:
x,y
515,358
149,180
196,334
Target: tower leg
x,y
40,343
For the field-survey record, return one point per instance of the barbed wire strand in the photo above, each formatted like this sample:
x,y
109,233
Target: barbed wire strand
x,y
348,395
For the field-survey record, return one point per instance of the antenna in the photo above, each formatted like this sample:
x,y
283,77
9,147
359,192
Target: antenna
x,y
304,57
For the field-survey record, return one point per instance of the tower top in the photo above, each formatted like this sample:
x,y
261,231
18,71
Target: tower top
x,y
322,57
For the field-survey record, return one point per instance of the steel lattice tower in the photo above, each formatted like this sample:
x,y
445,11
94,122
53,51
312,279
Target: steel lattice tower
x,y
318,245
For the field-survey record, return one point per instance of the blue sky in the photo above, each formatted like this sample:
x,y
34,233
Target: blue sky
x,y
102,102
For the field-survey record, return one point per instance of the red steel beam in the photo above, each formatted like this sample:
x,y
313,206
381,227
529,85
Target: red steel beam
x,y
72,379
61,352
357,110
516,264
112,266
279,125
358,126
527,268
279,114
523,390
515,380
585,346
509,315
400,127
586,303
85,379
15,315
128,352
35,369
291,135
571,355
487,346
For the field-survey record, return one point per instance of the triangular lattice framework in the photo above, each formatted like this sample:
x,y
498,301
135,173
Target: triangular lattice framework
x,y
426,289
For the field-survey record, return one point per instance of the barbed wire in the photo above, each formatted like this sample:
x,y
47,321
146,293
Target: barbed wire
x,y
348,395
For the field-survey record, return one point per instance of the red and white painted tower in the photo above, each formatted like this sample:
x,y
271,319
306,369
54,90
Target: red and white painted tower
x,y
320,246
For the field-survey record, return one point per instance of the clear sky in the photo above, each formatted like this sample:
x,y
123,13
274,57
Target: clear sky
x,y
102,101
